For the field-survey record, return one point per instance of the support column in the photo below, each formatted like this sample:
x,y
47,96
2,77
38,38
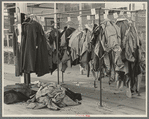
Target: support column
x,y
129,6
55,25
55,18
133,14
80,23
143,6
100,72
22,8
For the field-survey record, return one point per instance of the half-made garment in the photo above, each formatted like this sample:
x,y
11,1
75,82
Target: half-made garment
x,y
107,47
130,44
74,46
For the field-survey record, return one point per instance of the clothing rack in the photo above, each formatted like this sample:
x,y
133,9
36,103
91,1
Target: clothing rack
x,y
97,8
99,13
100,75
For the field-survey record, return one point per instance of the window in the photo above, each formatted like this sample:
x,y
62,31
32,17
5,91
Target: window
x,y
71,7
6,22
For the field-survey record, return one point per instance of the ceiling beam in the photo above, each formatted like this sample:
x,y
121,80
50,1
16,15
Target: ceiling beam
x,y
9,8
41,7
36,4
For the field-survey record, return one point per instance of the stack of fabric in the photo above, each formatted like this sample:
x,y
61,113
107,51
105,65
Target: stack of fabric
x,y
54,97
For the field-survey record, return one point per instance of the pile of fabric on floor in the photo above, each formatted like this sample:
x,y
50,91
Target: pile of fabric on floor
x,y
54,97
17,93
50,95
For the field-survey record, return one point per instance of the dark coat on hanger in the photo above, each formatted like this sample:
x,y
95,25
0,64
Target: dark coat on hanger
x,y
65,34
52,49
34,53
64,45
53,37
98,62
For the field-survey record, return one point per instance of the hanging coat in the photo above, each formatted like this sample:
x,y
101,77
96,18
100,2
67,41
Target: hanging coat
x,y
53,38
85,50
130,49
112,34
52,49
65,50
65,36
34,53
98,62
74,45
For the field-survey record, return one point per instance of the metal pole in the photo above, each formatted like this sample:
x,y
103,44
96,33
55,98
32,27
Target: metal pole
x,y
62,77
93,21
100,74
55,20
86,10
57,58
80,8
27,78
62,71
55,17
136,20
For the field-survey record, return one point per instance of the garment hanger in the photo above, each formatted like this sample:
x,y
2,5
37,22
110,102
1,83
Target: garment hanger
x,y
32,17
122,17
95,27
68,26
106,19
69,23
89,26
27,19
80,28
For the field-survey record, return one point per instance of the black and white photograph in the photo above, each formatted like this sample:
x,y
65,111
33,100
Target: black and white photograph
x,y
74,59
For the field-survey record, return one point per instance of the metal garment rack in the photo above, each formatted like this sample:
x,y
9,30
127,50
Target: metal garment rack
x,y
97,8
99,13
